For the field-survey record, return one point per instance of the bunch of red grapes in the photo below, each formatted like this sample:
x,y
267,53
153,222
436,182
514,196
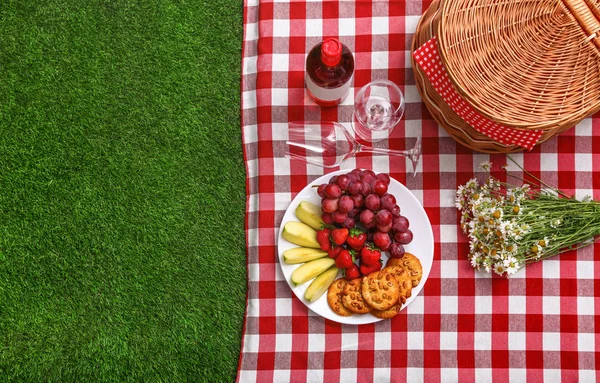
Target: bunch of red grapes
x,y
361,197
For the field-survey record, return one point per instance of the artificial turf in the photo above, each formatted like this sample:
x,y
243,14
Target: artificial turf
x,y
122,190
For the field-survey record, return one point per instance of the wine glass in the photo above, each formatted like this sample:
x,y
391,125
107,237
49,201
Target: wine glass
x,y
378,107
329,144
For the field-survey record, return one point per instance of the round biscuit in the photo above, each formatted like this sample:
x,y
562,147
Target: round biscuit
x,y
404,281
334,297
412,264
387,313
380,290
352,297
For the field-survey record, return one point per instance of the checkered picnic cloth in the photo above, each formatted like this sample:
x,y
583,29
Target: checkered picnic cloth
x,y
465,325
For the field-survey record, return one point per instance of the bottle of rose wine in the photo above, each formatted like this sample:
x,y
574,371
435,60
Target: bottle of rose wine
x,y
329,70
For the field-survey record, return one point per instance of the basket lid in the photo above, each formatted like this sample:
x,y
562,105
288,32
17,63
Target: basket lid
x,y
527,64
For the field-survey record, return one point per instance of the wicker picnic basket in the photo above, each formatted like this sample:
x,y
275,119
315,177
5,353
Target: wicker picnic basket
x,y
525,64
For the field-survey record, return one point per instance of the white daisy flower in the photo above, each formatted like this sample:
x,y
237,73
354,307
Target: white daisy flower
x,y
485,165
511,270
472,184
499,268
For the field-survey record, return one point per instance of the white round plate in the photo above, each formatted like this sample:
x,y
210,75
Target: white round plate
x,y
421,246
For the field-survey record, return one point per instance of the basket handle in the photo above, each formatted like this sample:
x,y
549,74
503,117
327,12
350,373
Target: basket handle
x,y
587,19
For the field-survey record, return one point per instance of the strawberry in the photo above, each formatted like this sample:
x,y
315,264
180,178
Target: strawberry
x,y
323,238
368,269
356,239
352,272
334,251
339,235
370,255
344,259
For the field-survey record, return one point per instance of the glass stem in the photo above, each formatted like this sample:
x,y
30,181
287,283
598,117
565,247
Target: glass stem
x,y
413,154
370,149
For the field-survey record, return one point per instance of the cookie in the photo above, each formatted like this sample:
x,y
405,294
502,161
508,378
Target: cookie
x,y
404,281
412,264
334,297
380,290
352,297
387,313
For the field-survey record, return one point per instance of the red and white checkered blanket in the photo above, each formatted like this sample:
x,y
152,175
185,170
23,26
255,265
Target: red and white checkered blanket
x,y
465,326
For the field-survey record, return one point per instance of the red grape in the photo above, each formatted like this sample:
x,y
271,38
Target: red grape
x,y
371,225
379,187
338,216
355,187
358,200
354,212
354,175
349,223
372,202
333,179
404,238
321,190
327,219
395,211
396,250
367,176
384,228
383,217
366,189
388,201
343,181
400,224
329,205
367,217
382,240
346,204
333,191
384,177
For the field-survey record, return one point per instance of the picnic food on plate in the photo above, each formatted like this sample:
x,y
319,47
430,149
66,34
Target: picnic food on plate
x,y
352,297
311,269
382,293
321,284
300,234
302,254
358,225
359,201
404,281
334,297
380,290
310,214
411,264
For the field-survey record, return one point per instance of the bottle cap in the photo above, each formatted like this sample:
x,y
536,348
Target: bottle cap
x,y
331,52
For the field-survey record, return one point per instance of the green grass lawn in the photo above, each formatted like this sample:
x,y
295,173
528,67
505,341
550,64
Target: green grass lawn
x,y
122,194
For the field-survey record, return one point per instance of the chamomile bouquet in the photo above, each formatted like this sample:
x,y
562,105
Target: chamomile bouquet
x,y
512,226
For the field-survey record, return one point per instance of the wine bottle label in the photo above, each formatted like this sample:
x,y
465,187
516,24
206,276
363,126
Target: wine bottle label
x,y
327,94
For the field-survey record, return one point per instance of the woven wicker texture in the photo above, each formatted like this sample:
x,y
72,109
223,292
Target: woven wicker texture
x,y
526,64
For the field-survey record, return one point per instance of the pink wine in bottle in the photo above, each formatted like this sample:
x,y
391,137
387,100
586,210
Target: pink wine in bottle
x,y
329,70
